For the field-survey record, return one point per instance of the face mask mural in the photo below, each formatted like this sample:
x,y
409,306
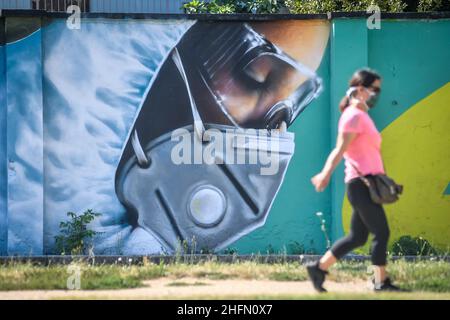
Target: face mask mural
x,y
220,80
179,138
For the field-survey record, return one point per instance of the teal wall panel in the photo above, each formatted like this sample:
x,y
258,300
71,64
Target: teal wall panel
x,y
348,53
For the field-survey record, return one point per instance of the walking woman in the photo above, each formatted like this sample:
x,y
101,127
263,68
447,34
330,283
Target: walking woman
x,y
359,143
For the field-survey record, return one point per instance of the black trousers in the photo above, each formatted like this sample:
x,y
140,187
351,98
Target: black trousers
x,y
368,217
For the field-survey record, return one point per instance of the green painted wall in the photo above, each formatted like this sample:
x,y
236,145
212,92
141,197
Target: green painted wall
x,y
413,115
413,57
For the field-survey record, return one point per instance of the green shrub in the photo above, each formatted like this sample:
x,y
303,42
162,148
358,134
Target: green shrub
x,y
195,6
240,6
311,6
409,246
363,5
231,6
74,234
265,6
220,8
319,6
230,251
429,5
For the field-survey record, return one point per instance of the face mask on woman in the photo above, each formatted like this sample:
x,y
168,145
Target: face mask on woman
x,y
373,98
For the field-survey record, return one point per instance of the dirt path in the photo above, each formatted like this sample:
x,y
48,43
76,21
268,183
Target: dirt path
x,y
166,288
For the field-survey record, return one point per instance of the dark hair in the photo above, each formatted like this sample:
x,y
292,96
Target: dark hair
x,y
363,77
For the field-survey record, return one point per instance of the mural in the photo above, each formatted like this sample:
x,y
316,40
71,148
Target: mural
x,y
225,76
114,110
146,121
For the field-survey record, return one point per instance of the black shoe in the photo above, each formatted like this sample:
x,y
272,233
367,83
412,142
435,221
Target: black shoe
x,y
317,276
386,286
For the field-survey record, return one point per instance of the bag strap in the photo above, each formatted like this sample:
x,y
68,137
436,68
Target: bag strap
x,y
360,175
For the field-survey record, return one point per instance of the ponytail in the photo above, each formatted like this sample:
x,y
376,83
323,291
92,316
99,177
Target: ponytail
x,y
345,102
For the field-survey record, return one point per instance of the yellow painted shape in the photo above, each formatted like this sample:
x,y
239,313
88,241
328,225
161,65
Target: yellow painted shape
x,y
416,152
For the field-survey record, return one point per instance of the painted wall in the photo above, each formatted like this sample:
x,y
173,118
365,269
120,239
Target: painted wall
x,y
71,101
413,117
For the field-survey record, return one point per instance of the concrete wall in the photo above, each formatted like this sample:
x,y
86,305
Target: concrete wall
x,y
69,99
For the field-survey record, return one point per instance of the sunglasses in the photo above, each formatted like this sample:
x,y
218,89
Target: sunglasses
x,y
375,89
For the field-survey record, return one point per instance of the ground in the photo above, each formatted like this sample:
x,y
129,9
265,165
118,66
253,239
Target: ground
x,y
214,280
194,288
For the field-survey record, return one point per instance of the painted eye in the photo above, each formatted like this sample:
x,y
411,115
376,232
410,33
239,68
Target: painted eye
x,y
259,69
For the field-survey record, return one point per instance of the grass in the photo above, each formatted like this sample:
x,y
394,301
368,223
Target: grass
x,y
244,270
31,277
424,276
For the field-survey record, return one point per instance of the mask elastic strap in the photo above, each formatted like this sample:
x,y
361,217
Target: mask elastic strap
x,y
138,151
198,123
350,91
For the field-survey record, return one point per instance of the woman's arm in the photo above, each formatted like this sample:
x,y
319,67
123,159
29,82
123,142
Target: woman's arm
x,y
321,180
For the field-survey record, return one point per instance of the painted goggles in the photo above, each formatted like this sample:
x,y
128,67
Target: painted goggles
x,y
253,81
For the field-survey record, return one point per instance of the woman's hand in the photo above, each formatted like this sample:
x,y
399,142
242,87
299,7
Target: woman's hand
x,y
320,181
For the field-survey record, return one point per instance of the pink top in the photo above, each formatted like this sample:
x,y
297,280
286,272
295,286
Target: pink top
x,y
364,151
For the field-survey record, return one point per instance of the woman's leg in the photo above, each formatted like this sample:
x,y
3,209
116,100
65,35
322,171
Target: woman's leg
x,y
376,221
327,260
372,215
367,217
357,237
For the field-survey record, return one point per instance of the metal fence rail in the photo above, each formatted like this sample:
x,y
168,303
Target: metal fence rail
x,y
114,6
15,4
137,6
59,5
